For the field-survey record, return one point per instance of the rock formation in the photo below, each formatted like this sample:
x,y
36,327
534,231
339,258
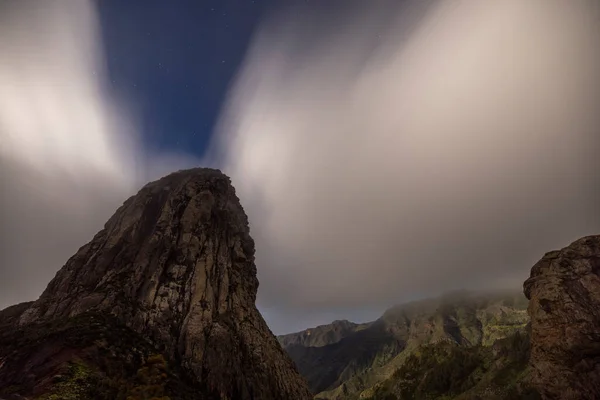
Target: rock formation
x,y
174,266
564,293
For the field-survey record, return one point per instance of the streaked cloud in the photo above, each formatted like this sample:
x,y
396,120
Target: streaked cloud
x,y
70,153
380,163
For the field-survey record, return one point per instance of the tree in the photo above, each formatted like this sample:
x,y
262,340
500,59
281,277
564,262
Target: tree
x,y
150,380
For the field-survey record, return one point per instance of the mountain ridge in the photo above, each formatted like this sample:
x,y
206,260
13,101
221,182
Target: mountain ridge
x,y
400,330
321,335
539,343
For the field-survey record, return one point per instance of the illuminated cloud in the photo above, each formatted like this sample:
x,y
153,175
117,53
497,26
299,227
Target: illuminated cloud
x,y
69,150
380,163
380,156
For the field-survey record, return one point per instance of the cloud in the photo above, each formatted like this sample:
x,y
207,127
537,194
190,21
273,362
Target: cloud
x,y
70,153
390,153
380,156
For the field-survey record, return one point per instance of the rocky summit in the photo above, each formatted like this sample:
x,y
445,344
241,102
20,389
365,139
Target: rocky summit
x,y
564,293
160,304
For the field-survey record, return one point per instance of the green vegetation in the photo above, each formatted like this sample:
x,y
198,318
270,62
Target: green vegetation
x,y
446,371
361,363
436,370
150,380
500,323
81,382
78,382
90,356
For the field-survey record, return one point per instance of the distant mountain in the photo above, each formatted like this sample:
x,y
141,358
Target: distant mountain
x,y
470,346
344,359
321,335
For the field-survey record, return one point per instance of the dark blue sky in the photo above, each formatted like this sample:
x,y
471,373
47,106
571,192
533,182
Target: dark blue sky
x,y
174,60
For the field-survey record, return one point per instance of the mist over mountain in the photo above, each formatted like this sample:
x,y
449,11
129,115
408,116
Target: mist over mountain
x,y
468,345
343,360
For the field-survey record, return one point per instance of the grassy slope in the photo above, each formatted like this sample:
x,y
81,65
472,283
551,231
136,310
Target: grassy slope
x,y
86,357
447,371
350,370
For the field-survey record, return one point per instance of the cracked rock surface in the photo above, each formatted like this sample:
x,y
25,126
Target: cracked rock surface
x,y
564,293
175,264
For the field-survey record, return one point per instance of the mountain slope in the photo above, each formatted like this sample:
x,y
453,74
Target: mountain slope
x,y
473,347
360,360
447,370
90,356
557,357
173,272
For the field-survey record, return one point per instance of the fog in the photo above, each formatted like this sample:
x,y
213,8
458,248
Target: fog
x,y
380,164
392,151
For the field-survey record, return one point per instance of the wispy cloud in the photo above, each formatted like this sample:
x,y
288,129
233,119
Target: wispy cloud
x,y
379,156
379,163
70,153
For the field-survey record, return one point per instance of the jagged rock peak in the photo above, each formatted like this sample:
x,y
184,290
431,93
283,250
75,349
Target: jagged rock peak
x,y
175,263
564,293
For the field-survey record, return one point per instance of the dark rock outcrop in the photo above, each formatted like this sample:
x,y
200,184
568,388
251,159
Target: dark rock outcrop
x,y
564,293
174,266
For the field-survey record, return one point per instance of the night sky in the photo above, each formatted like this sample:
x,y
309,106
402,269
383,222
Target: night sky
x,y
175,63
383,151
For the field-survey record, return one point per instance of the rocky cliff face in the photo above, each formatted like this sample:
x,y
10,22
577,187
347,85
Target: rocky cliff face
x,y
564,293
175,266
